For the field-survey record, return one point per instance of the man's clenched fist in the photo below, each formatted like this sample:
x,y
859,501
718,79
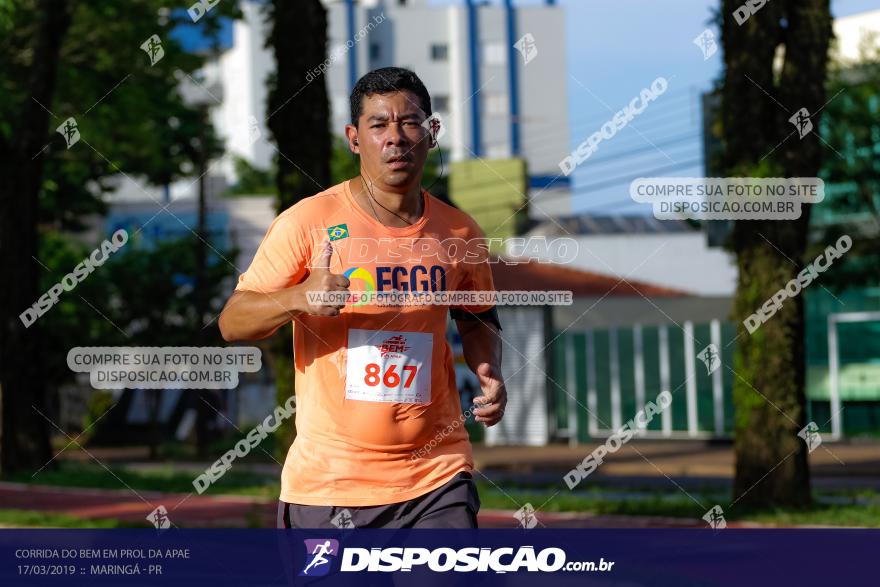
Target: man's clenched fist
x,y
322,281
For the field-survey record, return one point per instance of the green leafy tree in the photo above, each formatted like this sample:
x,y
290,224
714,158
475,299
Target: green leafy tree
x,y
117,303
253,180
344,164
851,127
84,60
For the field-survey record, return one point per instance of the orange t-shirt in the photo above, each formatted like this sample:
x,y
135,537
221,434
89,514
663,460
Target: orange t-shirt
x,y
378,417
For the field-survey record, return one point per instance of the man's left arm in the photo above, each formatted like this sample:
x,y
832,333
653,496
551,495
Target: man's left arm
x,y
481,344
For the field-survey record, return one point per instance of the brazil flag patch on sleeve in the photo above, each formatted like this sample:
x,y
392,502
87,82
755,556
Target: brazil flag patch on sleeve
x,y
337,232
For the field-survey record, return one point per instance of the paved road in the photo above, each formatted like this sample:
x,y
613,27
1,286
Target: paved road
x,y
851,463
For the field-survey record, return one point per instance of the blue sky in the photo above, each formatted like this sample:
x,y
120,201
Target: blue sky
x,y
614,50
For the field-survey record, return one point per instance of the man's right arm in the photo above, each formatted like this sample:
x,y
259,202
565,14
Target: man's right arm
x,y
252,315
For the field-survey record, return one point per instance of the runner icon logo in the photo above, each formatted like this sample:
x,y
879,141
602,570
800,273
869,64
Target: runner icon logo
x,y
319,556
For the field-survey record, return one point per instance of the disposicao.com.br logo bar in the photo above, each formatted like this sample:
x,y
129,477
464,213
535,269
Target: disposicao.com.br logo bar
x,y
443,559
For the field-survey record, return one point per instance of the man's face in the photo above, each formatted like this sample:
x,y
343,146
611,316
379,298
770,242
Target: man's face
x,y
392,142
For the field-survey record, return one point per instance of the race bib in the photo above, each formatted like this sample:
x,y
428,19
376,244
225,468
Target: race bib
x,y
387,366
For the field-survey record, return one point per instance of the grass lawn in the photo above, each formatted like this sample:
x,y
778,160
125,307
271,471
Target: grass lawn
x,y
635,502
33,519
678,505
162,479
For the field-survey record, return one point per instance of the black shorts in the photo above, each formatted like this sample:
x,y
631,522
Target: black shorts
x,y
453,505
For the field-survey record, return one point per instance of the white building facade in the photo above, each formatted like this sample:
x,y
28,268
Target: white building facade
x,y
496,75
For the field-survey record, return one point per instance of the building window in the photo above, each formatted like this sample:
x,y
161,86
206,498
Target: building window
x,y
375,51
495,53
439,52
494,104
497,151
440,103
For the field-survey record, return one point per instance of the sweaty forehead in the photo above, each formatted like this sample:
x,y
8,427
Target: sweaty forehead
x,y
391,105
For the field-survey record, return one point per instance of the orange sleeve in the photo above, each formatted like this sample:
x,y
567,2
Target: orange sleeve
x,y
282,259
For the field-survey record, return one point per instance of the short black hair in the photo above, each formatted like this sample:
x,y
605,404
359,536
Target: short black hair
x,y
385,81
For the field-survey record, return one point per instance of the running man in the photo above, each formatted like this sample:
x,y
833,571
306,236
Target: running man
x,y
380,431
319,552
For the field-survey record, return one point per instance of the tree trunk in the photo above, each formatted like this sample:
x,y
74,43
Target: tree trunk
x,y
297,110
757,102
299,119
24,438
204,397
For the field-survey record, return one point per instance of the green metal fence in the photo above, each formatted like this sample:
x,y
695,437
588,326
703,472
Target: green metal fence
x,y
602,378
